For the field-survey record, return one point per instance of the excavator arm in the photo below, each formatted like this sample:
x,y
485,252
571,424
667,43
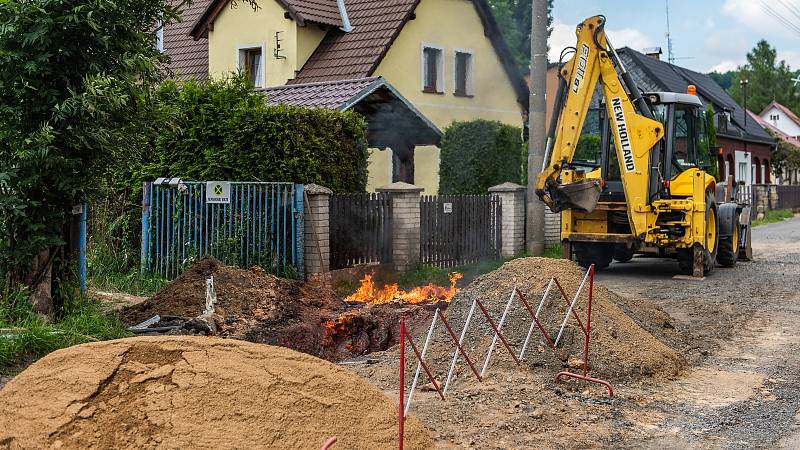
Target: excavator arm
x,y
632,124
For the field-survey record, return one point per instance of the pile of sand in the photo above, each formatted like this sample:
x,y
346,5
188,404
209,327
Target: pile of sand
x,y
621,348
258,307
190,392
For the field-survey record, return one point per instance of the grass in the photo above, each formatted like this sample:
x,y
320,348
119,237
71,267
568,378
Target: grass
x,y
773,216
25,335
109,272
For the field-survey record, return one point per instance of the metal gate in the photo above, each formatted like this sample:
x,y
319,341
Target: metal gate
x,y
459,229
360,229
258,224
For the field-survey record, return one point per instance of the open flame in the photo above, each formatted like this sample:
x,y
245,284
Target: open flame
x,y
367,292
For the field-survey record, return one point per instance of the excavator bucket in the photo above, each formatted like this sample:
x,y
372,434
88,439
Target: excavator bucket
x,y
581,195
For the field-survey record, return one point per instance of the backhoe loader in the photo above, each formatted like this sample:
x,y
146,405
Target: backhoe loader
x,y
647,190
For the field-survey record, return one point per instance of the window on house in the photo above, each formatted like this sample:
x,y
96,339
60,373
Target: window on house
x,y
251,63
463,73
433,70
743,171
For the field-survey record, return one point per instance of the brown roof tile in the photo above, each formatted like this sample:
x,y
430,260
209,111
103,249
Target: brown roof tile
x,y
340,55
327,94
320,11
189,58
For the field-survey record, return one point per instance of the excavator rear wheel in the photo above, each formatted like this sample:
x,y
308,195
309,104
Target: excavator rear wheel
x,y
598,254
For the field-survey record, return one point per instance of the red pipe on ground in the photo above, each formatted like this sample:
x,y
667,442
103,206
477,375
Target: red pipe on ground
x,y
400,410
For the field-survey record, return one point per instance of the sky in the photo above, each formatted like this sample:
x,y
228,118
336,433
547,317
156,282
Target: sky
x,y
707,35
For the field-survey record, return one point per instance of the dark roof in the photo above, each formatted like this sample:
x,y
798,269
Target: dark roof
x,y
652,74
789,113
376,24
324,12
390,117
327,94
189,58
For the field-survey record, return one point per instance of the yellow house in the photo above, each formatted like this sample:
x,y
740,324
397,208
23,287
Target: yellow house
x,y
447,58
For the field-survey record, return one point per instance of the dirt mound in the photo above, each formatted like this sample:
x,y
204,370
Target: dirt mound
x,y
620,348
190,392
255,306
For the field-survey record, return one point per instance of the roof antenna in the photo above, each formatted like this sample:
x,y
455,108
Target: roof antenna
x,y
346,27
670,55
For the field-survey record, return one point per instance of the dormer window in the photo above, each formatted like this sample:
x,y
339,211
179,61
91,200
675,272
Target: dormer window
x,y
432,70
251,63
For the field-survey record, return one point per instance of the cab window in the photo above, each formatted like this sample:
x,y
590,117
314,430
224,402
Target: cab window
x,y
684,152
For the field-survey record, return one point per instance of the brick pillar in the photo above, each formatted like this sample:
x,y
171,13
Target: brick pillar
x,y
512,197
317,234
405,224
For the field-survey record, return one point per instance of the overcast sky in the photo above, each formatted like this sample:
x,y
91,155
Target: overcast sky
x,y
706,34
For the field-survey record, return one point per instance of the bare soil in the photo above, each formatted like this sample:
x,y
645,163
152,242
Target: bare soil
x,y
739,330
190,392
257,307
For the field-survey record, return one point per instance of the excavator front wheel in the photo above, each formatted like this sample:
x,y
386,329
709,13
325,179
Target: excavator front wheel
x,y
701,258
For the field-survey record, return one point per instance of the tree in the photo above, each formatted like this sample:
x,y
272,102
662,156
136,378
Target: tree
x,y
75,87
724,79
768,80
514,18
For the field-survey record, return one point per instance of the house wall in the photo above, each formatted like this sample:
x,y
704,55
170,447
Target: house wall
x,y
452,25
379,168
783,123
736,152
242,27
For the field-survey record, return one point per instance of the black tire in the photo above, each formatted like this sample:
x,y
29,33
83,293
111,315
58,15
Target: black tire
x,y
686,257
711,254
598,254
746,254
729,242
623,254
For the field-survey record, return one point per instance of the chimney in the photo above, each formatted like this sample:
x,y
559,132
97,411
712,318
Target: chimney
x,y
653,52
346,27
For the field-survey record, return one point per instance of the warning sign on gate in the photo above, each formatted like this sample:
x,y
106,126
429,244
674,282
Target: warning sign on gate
x,y
218,192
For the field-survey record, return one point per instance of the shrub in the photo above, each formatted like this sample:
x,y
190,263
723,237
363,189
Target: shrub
x,y
479,154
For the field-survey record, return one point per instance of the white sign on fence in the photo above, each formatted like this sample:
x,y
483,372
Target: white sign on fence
x,y
218,192
447,208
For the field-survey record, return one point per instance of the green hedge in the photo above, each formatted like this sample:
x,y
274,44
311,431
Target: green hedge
x,y
222,130
479,154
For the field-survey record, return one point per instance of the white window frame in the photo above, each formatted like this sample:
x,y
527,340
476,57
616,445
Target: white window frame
x,y
440,68
240,51
470,71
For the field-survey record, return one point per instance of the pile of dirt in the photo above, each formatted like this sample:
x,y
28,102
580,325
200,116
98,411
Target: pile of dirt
x,y
621,349
191,392
258,307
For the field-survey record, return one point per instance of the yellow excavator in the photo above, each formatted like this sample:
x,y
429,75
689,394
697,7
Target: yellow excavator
x,y
646,189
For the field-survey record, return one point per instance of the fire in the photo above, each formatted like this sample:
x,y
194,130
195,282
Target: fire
x,y
368,292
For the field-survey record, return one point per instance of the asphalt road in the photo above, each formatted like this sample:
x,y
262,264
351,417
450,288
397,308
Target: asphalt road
x,y
743,390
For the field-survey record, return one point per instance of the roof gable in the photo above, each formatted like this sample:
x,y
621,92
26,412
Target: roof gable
x,y
786,111
376,25
324,12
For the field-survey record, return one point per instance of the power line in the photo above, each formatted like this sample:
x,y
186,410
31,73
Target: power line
x,y
789,6
779,17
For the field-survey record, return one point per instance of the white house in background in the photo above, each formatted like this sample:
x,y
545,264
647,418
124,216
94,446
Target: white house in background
x,y
782,118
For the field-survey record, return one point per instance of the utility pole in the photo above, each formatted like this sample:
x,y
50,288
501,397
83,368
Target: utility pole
x,y
537,116
743,84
